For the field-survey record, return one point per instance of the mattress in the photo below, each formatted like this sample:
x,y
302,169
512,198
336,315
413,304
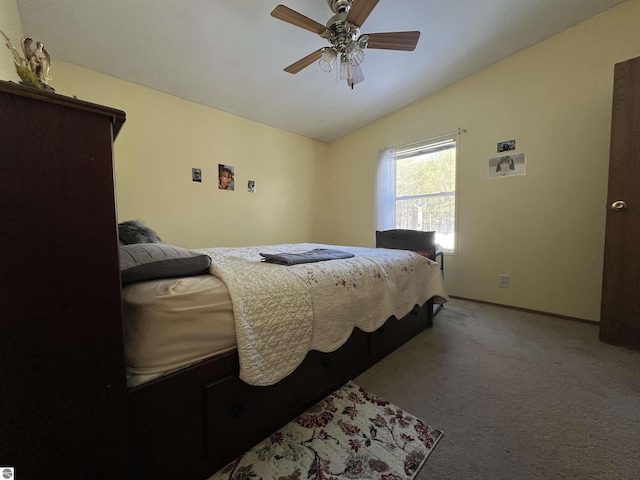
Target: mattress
x,y
172,323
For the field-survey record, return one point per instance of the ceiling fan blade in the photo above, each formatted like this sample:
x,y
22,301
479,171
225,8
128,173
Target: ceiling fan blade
x,y
294,18
393,40
360,10
304,62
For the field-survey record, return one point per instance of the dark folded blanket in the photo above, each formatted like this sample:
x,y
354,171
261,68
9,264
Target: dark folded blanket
x,y
315,255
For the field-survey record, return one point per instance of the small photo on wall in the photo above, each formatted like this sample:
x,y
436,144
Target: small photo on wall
x,y
251,186
196,175
225,177
507,166
507,146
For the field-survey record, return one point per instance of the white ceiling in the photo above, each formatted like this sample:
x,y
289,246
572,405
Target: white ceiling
x,y
230,54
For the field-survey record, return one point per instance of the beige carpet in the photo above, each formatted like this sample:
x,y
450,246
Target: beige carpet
x,y
519,395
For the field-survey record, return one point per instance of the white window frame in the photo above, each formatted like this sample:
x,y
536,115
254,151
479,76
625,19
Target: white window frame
x,y
386,179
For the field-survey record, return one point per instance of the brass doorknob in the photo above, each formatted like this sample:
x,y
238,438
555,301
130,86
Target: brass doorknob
x,y
618,205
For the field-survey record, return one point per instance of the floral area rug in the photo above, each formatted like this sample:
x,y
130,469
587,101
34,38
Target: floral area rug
x,y
351,434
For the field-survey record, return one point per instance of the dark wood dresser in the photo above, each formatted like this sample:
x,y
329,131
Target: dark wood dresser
x,y
62,373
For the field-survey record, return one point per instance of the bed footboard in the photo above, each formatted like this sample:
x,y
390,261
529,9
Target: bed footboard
x,y
190,424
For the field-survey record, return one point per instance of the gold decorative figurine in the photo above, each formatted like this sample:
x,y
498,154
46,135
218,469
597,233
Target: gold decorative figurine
x,y
33,68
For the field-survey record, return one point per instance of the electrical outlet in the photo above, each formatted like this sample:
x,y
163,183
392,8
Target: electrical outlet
x,y
503,281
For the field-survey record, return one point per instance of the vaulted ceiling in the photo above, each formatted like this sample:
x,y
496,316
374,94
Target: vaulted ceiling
x,y
230,54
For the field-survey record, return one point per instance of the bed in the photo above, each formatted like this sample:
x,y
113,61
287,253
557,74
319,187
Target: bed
x,y
219,360
66,405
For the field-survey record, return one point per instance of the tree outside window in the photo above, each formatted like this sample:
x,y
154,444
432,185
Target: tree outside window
x,y
424,195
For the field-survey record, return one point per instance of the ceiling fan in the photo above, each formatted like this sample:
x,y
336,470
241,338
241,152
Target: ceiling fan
x,y
343,33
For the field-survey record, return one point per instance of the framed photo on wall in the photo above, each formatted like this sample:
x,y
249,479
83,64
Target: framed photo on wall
x,y
507,166
225,177
506,146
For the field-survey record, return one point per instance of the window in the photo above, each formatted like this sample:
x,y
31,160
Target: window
x,y
417,190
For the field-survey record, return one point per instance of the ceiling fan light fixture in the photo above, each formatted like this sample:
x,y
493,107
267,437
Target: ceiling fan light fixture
x,y
355,54
358,77
346,68
328,59
342,31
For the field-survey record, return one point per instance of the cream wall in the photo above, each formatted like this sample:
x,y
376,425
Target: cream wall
x,y
164,137
545,229
11,25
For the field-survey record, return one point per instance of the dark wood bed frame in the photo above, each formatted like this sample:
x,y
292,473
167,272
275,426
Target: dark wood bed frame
x,y
190,424
65,408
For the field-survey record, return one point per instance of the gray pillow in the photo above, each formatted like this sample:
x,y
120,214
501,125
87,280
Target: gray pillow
x,y
148,261
134,231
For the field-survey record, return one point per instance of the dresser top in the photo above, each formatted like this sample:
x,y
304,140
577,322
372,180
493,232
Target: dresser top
x,y
118,117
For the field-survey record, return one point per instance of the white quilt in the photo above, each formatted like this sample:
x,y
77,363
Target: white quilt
x,y
283,312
